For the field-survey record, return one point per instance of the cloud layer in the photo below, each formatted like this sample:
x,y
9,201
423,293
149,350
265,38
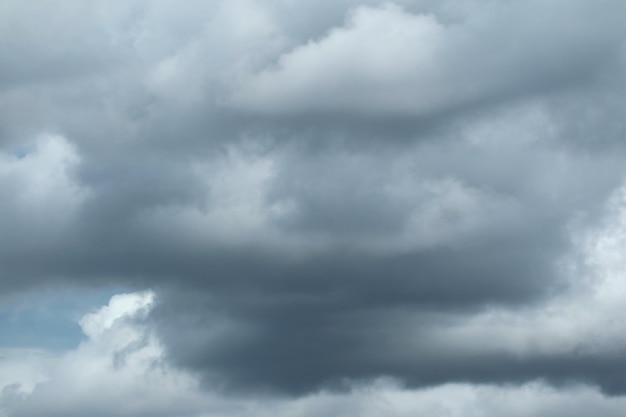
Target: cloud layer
x,y
320,196
120,369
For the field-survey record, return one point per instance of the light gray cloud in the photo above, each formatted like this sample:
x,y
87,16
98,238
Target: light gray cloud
x,y
385,60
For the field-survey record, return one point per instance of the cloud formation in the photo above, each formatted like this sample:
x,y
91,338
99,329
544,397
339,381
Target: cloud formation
x,y
120,369
385,60
320,196
116,370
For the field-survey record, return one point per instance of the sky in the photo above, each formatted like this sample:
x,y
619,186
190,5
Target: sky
x,y
306,208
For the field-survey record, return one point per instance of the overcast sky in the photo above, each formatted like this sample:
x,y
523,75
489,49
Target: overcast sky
x,y
314,208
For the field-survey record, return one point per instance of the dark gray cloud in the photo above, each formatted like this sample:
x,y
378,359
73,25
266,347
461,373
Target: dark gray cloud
x,y
318,192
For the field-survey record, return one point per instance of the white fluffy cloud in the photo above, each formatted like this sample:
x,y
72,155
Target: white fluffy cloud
x,y
116,370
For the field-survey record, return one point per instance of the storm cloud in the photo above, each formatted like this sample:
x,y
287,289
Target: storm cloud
x,y
322,195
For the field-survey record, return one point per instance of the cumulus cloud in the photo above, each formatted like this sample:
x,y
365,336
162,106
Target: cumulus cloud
x,y
582,320
385,60
320,194
40,176
119,369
